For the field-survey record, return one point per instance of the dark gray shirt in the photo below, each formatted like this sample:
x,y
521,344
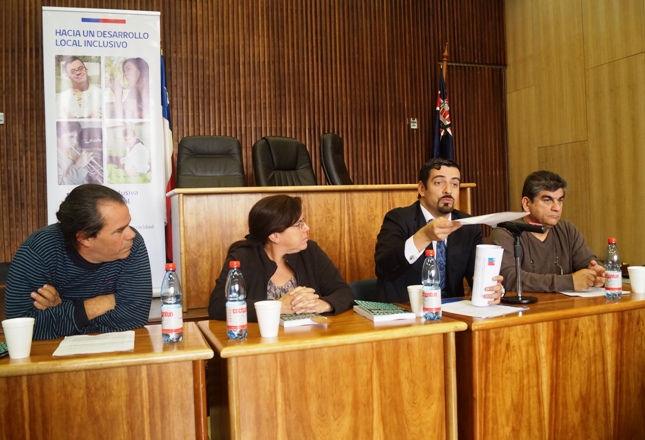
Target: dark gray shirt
x,y
545,266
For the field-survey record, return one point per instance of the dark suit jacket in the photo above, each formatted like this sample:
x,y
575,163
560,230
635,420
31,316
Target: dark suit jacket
x,y
393,271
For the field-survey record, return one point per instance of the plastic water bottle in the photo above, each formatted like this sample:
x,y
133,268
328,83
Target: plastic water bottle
x,y
431,280
236,323
613,274
172,312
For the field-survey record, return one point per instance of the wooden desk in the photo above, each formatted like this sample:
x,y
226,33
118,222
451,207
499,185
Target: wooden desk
x,y
344,220
566,368
351,380
156,391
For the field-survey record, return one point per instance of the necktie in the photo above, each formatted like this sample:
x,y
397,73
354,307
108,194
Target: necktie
x,y
441,261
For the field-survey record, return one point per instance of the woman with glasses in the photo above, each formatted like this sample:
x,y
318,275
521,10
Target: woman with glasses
x,y
280,262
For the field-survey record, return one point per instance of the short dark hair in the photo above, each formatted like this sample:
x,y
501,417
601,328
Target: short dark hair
x,y
434,164
542,181
69,60
64,127
273,214
79,212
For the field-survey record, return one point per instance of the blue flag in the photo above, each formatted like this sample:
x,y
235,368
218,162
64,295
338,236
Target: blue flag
x,y
442,146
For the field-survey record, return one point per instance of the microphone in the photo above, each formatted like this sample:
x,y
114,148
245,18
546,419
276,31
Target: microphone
x,y
516,228
519,227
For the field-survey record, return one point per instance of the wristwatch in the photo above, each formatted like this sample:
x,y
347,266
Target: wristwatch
x,y
503,292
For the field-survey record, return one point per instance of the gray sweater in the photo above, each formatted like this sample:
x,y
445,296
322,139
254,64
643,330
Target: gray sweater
x,y
564,245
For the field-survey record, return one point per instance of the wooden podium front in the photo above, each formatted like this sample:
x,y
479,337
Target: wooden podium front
x,y
344,220
565,368
156,391
353,379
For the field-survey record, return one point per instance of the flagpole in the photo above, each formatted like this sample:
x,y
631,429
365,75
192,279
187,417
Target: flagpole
x,y
444,62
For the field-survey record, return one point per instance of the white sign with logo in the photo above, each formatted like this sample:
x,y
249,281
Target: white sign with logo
x,y
103,117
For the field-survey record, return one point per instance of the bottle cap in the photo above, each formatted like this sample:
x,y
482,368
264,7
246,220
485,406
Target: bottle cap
x,y
233,264
429,252
611,241
171,266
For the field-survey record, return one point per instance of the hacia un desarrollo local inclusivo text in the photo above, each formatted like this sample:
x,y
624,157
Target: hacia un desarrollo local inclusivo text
x,y
111,39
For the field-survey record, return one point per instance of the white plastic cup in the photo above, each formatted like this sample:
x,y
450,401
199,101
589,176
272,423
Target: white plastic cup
x,y
415,293
637,278
18,333
268,317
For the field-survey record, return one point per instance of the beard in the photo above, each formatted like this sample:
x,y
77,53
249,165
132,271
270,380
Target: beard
x,y
445,207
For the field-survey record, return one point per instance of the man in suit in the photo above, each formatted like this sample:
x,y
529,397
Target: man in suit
x,y
428,223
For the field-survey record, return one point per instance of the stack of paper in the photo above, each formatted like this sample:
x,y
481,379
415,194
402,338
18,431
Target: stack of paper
x,y
467,308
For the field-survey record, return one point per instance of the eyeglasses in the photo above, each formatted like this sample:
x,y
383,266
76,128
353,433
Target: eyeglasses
x,y
300,224
77,71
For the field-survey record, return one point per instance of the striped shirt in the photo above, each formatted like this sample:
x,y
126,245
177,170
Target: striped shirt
x,y
44,259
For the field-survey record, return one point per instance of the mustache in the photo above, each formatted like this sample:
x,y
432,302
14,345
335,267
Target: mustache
x,y
446,197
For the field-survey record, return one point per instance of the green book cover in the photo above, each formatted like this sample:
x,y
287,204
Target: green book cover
x,y
380,311
293,319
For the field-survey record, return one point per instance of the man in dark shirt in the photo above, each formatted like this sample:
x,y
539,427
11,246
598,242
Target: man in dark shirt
x,y
556,260
88,273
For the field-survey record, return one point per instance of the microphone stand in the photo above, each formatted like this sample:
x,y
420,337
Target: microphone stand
x,y
516,230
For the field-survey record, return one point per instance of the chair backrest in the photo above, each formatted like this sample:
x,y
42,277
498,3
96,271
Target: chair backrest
x,y
282,161
333,160
365,289
209,161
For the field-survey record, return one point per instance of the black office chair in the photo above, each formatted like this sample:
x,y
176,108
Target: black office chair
x,y
282,161
364,289
209,161
333,160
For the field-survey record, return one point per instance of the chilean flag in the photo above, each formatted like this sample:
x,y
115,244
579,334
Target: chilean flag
x,y
442,127
169,155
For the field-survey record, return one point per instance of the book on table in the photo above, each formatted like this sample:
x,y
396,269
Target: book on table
x,y
294,320
380,311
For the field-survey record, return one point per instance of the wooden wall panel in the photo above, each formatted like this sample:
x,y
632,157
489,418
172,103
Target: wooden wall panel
x,y
522,142
583,116
520,73
616,107
559,72
602,19
251,68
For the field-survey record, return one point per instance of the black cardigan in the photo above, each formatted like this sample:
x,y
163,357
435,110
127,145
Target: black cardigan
x,y
312,268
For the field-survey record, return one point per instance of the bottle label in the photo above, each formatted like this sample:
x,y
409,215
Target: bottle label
x,y
236,316
613,280
431,299
172,318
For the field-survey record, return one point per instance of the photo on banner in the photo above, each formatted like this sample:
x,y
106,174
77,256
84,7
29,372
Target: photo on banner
x,y
103,117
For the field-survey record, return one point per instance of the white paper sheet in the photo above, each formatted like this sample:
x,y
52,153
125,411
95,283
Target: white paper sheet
x,y
592,292
103,343
492,219
468,309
